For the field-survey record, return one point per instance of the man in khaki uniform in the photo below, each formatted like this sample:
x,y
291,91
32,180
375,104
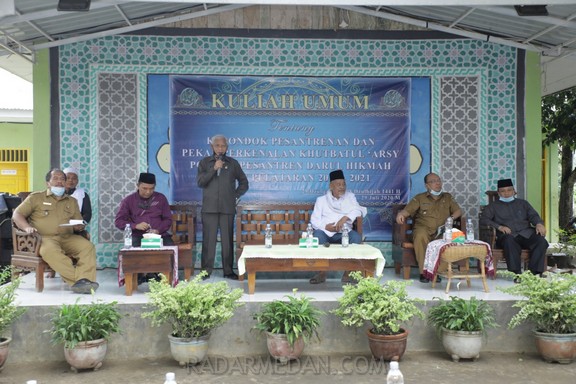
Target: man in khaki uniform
x,y
429,210
44,212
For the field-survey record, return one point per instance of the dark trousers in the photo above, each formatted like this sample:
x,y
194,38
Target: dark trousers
x,y
513,246
210,224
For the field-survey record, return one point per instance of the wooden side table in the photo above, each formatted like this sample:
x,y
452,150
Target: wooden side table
x,y
145,261
463,253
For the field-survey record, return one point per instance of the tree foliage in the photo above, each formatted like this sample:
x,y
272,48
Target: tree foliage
x,y
559,126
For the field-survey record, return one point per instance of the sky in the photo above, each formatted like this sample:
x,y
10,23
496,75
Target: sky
x,y
15,92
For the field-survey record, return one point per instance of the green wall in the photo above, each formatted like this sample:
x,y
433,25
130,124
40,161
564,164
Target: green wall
x,y
40,154
533,117
16,135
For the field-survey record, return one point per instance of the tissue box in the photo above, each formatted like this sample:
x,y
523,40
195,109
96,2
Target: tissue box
x,y
302,243
151,243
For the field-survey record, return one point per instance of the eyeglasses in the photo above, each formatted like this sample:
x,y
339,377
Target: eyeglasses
x,y
144,206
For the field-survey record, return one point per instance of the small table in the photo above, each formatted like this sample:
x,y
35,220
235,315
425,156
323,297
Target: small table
x,y
146,260
287,258
439,250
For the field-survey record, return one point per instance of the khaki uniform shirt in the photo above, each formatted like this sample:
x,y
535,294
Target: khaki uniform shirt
x,y
45,212
430,213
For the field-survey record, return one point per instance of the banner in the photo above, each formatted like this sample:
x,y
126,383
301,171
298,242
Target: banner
x,y
290,133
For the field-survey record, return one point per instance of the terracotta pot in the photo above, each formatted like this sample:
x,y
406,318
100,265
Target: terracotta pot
x,y
462,344
280,348
556,347
189,350
388,347
86,355
4,347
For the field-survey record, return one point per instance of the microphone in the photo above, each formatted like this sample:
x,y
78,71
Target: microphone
x,y
219,169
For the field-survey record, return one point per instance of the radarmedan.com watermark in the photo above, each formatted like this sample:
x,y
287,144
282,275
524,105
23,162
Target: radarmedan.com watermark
x,y
306,365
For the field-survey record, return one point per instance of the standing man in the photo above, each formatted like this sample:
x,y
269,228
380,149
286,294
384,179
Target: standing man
x,y
223,182
518,226
78,193
45,212
336,208
429,210
146,211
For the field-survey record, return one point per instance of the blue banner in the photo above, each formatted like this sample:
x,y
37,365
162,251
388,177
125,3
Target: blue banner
x,y
288,134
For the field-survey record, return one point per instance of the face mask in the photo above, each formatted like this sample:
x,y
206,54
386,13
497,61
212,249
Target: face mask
x,y
58,191
434,193
507,199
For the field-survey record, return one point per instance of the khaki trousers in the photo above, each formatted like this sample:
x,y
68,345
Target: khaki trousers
x,y
58,250
420,239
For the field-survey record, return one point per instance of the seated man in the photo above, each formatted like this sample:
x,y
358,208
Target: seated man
x,y
44,212
430,210
518,226
146,211
79,194
331,212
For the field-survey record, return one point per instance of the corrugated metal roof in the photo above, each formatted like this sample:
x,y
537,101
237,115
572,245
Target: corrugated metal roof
x,y
36,24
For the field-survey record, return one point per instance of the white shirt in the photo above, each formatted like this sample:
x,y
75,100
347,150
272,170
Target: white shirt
x,y
79,196
329,210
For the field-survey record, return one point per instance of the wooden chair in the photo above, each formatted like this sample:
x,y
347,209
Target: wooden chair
x,y
184,236
487,234
402,246
26,255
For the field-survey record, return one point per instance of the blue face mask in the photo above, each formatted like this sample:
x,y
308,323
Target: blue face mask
x,y
434,193
58,191
507,199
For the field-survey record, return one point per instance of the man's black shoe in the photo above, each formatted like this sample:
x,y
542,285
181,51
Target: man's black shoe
x,y
231,276
424,279
84,286
205,277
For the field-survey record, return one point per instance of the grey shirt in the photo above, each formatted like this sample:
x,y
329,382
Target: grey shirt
x,y
518,215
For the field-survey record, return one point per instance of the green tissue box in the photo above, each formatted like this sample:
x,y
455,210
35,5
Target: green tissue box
x,y
302,243
151,243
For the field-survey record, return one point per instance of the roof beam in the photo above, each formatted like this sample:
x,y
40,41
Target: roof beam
x,y
137,27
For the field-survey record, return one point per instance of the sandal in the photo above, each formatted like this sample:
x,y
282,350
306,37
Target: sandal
x,y
318,278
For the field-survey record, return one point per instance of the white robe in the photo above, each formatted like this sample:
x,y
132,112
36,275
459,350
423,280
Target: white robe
x,y
329,209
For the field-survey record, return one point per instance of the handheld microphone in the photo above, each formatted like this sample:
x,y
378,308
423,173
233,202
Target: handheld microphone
x,y
219,169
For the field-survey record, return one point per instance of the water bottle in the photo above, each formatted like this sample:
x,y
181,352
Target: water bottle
x,y
345,236
469,230
309,236
170,378
394,375
127,237
448,229
268,237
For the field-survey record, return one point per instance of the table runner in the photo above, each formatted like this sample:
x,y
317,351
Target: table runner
x,y
335,251
121,280
436,247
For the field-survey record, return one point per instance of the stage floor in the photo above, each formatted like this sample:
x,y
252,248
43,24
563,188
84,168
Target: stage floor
x,y
267,289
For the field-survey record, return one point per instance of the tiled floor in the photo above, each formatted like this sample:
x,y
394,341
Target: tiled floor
x,y
57,292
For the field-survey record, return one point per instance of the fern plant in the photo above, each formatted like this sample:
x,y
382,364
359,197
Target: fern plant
x,y
192,308
9,311
75,323
386,306
294,317
458,314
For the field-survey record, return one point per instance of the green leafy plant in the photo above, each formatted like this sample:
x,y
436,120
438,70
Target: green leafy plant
x,y
550,302
192,308
9,311
386,306
458,314
295,317
75,323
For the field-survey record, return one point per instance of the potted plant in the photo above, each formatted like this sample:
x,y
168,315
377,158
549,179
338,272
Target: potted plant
x,y
288,324
386,307
9,311
192,309
549,304
84,329
462,325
